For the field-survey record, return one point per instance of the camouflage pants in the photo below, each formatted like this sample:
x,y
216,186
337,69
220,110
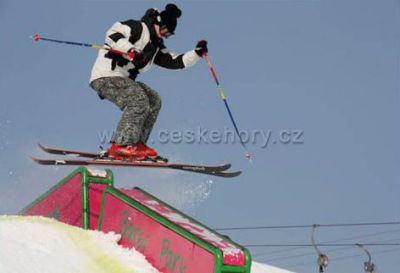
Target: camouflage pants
x,y
140,106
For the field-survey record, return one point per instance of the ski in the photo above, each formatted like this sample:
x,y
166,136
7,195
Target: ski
x,y
102,155
204,169
58,151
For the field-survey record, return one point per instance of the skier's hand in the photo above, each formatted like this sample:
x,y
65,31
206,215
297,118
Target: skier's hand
x,y
201,48
140,58
130,55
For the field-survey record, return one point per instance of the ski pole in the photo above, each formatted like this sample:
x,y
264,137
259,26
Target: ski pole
x,y
38,38
223,97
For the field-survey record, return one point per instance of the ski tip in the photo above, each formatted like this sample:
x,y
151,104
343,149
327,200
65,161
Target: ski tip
x,y
35,159
41,146
45,148
228,174
52,161
225,166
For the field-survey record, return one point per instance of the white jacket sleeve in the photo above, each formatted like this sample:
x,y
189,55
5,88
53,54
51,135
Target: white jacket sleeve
x,y
117,37
171,60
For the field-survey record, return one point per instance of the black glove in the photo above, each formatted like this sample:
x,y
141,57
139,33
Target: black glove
x,y
130,55
201,48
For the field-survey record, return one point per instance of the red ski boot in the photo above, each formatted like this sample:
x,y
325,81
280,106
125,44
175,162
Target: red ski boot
x,y
151,153
147,150
131,152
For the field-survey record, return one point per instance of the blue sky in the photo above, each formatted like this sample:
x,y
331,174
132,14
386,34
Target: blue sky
x,y
329,69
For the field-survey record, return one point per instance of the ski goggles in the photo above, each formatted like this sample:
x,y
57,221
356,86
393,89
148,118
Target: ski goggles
x,y
165,32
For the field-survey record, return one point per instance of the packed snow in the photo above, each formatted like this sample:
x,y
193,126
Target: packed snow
x,y
42,245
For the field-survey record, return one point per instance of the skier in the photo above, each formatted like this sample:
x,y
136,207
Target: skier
x,y
113,76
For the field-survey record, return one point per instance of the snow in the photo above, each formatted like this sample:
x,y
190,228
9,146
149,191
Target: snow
x,y
42,245
97,173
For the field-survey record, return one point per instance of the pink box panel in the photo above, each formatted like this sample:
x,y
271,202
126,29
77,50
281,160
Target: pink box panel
x,y
95,197
63,203
164,249
232,255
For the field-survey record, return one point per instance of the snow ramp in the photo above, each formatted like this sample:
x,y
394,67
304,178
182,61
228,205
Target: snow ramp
x,y
170,240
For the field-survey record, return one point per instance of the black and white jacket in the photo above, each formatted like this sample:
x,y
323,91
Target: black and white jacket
x,y
140,36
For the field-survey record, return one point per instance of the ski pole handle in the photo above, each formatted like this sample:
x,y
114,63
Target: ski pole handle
x,y
130,54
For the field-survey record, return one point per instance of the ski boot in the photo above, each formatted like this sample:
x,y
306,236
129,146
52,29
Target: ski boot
x,y
129,152
151,154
